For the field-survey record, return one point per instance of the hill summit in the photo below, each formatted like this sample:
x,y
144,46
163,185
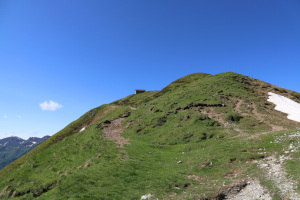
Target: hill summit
x,y
201,137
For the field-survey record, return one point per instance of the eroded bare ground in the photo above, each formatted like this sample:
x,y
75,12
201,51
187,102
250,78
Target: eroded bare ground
x,y
245,190
276,172
261,117
107,110
213,115
113,130
274,167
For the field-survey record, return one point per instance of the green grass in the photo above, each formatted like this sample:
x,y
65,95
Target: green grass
x,y
168,126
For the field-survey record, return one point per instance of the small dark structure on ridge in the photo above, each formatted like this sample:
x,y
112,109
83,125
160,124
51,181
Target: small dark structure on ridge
x,y
137,91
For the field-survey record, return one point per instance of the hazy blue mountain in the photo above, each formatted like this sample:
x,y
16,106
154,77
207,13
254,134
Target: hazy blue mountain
x,y
12,148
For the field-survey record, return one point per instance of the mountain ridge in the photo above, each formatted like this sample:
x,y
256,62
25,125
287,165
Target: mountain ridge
x,y
12,148
173,136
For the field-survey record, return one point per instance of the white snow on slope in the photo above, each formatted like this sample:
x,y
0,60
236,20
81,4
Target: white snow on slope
x,y
286,105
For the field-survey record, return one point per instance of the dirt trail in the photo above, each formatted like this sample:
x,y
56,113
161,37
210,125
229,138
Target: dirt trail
x,y
108,109
260,117
113,132
275,170
238,107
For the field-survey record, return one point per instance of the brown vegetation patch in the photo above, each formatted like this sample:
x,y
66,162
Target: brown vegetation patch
x,y
212,114
261,118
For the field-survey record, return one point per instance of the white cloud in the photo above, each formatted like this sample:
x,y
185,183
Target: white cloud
x,y
5,116
50,106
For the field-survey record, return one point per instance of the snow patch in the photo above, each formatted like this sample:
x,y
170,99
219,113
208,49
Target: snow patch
x,y
34,142
82,129
285,105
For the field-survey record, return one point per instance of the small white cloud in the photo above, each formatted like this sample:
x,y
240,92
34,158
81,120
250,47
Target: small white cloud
x,y
5,116
20,116
50,106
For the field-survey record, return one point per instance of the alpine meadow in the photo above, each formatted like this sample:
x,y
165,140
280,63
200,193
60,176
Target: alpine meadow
x,y
201,137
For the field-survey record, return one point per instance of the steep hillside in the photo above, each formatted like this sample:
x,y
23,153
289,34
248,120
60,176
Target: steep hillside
x,y
201,137
12,148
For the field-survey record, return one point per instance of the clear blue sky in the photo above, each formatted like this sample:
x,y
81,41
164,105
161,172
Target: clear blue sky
x,y
82,54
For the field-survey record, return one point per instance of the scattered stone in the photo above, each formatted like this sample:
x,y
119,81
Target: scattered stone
x,y
147,196
92,113
249,190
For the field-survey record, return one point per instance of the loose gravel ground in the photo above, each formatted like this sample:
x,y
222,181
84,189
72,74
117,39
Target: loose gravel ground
x,y
275,170
253,190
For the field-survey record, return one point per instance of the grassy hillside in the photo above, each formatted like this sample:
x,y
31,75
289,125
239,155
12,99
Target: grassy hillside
x,y
191,140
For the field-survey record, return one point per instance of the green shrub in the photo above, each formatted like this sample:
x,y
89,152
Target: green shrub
x,y
234,117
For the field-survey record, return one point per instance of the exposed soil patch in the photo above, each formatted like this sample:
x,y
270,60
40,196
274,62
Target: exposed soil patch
x,y
98,117
275,170
238,106
95,118
261,117
113,130
211,113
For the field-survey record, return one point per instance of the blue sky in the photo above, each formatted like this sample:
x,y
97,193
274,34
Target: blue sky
x,y
82,54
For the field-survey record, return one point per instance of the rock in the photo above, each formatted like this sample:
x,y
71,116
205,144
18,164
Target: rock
x,y
127,114
92,113
146,196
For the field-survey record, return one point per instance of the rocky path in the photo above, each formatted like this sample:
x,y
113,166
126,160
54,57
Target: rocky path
x,y
275,170
253,190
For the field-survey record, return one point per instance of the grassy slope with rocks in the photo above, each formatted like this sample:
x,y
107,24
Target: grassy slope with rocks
x,y
191,140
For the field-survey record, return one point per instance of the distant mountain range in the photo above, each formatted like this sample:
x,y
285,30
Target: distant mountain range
x,y
12,148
